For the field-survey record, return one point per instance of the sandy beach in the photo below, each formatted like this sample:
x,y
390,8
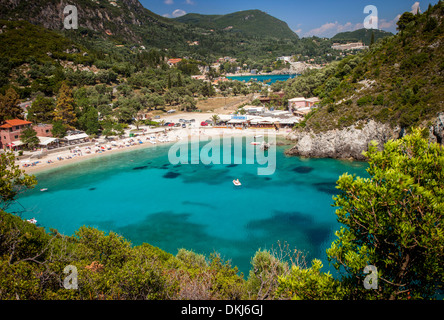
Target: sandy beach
x,y
81,153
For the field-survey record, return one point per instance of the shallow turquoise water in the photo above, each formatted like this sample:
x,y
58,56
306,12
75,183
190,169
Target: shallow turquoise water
x,y
262,78
141,196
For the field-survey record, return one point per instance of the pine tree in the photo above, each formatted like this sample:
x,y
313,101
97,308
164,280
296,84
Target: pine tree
x,y
64,111
372,40
9,106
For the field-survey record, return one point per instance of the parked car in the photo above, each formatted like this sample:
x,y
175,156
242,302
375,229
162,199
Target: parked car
x,y
192,120
177,125
184,125
166,124
203,124
171,125
182,120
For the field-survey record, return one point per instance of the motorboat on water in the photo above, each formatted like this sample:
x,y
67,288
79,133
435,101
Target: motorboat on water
x,y
44,189
33,221
237,183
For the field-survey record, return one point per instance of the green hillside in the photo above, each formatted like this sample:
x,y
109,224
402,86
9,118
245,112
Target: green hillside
x,y
22,40
398,81
364,35
250,22
103,26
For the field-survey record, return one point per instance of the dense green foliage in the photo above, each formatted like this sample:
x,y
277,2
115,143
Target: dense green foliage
x,y
29,138
251,22
394,220
12,180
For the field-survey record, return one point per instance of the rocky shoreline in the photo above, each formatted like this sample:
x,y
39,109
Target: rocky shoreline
x,y
349,143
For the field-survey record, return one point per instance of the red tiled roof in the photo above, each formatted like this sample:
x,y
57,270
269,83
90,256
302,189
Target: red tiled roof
x,y
13,123
174,61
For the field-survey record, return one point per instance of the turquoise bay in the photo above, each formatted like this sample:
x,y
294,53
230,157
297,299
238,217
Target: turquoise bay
x,y
262,78
141,196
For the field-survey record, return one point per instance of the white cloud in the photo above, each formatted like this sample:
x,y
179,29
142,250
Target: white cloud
x,y
169,2
178,13
332,28
166,15
416,8
190,2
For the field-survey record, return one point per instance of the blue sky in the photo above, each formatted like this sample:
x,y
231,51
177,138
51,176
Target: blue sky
x,y
322,18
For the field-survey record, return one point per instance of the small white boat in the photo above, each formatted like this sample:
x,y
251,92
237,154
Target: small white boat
x,y
44,189
33,221
255,143
237,183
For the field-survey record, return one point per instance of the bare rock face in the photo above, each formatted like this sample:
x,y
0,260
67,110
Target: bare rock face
x,y
347,143
351,142
437,130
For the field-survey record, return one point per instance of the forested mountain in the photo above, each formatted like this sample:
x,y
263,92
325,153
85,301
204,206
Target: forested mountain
x,y
127,22
250,22
119,20
364,35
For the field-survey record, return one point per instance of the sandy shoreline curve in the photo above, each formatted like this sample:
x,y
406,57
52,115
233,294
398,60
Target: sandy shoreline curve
x,y
71,156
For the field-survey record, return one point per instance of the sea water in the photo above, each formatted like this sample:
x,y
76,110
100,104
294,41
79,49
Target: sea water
x,y
141,196
270,79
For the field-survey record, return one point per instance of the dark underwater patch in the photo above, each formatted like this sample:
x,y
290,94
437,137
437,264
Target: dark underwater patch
x,y
232,166
171,175
198,204
92,189
303,169
289,223
140,168
327,187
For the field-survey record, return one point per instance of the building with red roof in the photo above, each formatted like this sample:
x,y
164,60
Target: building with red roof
x,y
10,132
173,62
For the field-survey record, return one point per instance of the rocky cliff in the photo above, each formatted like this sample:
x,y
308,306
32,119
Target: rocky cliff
x,y
350,142
127,19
